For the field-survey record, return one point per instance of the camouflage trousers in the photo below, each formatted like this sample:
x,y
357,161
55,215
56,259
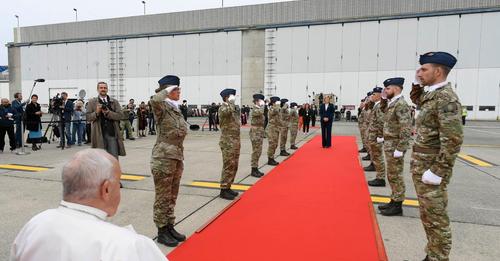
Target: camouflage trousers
x,y
293,134
257,138
273,135
377,156
283,137
362,135
230,147
167,175
394,171
366,143
433,201
126,126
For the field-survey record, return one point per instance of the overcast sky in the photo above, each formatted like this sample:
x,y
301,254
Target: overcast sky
x,y
36,12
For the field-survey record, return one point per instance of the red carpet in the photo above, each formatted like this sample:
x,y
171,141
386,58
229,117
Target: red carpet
x,y
314,206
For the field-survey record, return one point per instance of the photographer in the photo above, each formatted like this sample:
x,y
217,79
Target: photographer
x,y
125,124
78,123
104,113
7,113
64,108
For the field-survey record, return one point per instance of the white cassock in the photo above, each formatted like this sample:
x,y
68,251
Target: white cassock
x,y
77,232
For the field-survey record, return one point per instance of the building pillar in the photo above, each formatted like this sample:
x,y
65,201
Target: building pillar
x,y
15,80
252,64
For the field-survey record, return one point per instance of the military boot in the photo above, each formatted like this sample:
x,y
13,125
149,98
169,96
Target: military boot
x,y
284,153
426,258
164,237
370,167
385,206
225,194
395,210
293,147
232,192
377,183
256,173
178,236
362,150
367,157
272,162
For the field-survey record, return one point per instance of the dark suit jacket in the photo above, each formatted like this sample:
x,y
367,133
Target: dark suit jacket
x,y
328,113
68,110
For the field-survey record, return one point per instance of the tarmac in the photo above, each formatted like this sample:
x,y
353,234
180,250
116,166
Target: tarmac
x,y
474,192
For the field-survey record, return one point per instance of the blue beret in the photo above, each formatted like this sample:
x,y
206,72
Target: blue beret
x,y
293,104
258,96
274,99
169,80
284,100
399,81
377,90
442,58
369,93
227,92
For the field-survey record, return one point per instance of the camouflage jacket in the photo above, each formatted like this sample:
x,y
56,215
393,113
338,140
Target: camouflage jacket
x,y
376,127
294,117
284,117
125,114
361,118
397,123
257,118
274,115
229,120
171,129
439,127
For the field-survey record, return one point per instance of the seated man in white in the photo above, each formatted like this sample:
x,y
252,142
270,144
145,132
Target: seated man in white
x,y
77,229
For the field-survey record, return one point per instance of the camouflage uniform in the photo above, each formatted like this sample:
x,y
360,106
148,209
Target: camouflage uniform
x,y
438,141
285,122
229,122
361,123
257,133
273,130
125,123
376,129
397,134
294,125
366,125
167,158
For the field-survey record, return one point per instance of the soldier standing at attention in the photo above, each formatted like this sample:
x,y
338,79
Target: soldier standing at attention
x,y
368,119
167,158
257,120
361,118
397,134
376,140
285,122
273,129
294,125
438,141
229,117
366,114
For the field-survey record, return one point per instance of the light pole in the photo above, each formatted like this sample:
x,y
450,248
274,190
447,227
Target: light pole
x,y
17,17
76,14
144,5
222,3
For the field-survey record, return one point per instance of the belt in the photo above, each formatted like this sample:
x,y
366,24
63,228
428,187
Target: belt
x,y
426,150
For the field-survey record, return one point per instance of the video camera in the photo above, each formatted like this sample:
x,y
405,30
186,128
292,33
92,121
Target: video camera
x,y
105,106
56,103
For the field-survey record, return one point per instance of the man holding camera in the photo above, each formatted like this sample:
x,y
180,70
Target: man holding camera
x,y
104,114
65,108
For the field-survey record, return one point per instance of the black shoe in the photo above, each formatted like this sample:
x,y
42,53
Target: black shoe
x,y
426,258
369,167
293,147
385,206
178,236
131,138
256,173
121,185
367,157
284,153
164,237
362,150
395,210
272,162
376,183
232,192
225,194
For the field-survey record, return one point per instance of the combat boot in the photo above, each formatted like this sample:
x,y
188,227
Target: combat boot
x,y
164,237
225,194
377,183
284,153
272,162
362,150
232,192
370,167
367,157
395,210
178,236
256,173
293,147
426,258
386,206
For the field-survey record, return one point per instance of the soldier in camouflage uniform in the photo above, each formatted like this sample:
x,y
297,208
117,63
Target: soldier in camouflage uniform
x,y
285,123
125,123
229,122
167,158
396,138
366,123
376,130
273,129
361,118
437,144
257,119
294,125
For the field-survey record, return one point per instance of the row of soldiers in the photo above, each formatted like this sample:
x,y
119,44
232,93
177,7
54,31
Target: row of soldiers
x,y
385,126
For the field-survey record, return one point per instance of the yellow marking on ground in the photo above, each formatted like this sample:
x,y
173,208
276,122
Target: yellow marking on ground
x,y
22,168
406,202
480,146
474,160
216,185
132,177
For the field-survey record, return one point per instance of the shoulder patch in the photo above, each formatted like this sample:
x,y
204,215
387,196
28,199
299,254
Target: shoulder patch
x,y
450,107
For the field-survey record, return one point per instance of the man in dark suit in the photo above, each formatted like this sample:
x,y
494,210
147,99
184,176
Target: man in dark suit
x,y
326,111
67,109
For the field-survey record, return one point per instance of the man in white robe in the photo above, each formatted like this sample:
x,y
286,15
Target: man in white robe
x,y
77,229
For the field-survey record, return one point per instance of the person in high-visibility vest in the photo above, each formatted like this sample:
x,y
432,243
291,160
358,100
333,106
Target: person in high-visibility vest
x,y
464,114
